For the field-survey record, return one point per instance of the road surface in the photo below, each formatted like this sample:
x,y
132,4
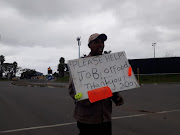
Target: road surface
x,y
152,109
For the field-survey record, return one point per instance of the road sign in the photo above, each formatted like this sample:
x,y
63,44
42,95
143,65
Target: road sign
x,y
49,77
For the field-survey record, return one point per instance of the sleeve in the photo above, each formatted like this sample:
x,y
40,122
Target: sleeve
x,y
117,99
72,93
71,88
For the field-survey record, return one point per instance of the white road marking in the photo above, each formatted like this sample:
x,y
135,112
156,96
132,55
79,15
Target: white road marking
x,y
71,123
39,127
138,115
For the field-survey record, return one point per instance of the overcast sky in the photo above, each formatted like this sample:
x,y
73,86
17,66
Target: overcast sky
x,y
36,33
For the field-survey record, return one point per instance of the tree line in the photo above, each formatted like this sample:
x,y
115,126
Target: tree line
x,y
9,70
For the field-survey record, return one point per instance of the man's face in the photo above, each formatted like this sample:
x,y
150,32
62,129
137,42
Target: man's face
x,y
97,47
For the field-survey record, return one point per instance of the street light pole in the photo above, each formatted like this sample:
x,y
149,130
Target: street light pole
x,y
154,44
79,43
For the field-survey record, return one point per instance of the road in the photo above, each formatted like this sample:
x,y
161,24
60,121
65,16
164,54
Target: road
x,y
150,109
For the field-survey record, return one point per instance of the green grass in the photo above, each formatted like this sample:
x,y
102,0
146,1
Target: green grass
x,y
4,79
159,78
143,78
62,80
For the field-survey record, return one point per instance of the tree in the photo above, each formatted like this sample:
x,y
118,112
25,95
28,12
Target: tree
x,y
8,70
169,54
2,59
55,74
62,66
14,68
28,73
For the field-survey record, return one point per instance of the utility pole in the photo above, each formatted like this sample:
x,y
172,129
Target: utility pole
x,y
154,44
79,43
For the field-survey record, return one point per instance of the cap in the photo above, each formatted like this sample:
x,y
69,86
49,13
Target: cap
x,y
95,36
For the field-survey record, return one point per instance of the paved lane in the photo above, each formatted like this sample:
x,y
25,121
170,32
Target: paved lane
x,y
33,106
36,110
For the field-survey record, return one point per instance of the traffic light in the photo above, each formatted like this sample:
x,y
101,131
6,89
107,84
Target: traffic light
x,y
49,71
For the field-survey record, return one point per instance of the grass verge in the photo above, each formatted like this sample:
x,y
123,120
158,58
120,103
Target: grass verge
x,y
159,78
62,80
170,78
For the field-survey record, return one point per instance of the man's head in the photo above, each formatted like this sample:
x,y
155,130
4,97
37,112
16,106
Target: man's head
x,y
96,43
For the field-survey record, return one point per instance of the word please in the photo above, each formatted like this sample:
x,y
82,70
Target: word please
x,y
95,60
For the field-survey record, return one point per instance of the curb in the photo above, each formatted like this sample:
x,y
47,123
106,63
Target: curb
x,y
27,84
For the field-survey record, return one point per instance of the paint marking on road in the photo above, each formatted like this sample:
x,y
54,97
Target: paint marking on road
x,y
71,123
144,114
130,116
39,127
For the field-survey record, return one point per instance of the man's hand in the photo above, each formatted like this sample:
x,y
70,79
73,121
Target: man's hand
x,y
117,98
120,101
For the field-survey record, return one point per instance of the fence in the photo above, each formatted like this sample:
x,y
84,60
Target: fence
x,y
170,65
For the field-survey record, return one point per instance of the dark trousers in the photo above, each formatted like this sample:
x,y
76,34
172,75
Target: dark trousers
x,y
104,128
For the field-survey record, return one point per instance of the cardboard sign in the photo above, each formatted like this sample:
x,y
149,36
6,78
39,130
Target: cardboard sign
x,y
99,94
112,70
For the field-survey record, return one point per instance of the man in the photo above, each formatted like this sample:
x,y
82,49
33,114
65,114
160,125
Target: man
x,y
94,118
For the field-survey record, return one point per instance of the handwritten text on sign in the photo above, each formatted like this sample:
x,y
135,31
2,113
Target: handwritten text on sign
x,y
103,70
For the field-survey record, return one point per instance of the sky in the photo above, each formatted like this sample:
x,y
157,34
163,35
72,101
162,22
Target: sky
x,y
37,33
